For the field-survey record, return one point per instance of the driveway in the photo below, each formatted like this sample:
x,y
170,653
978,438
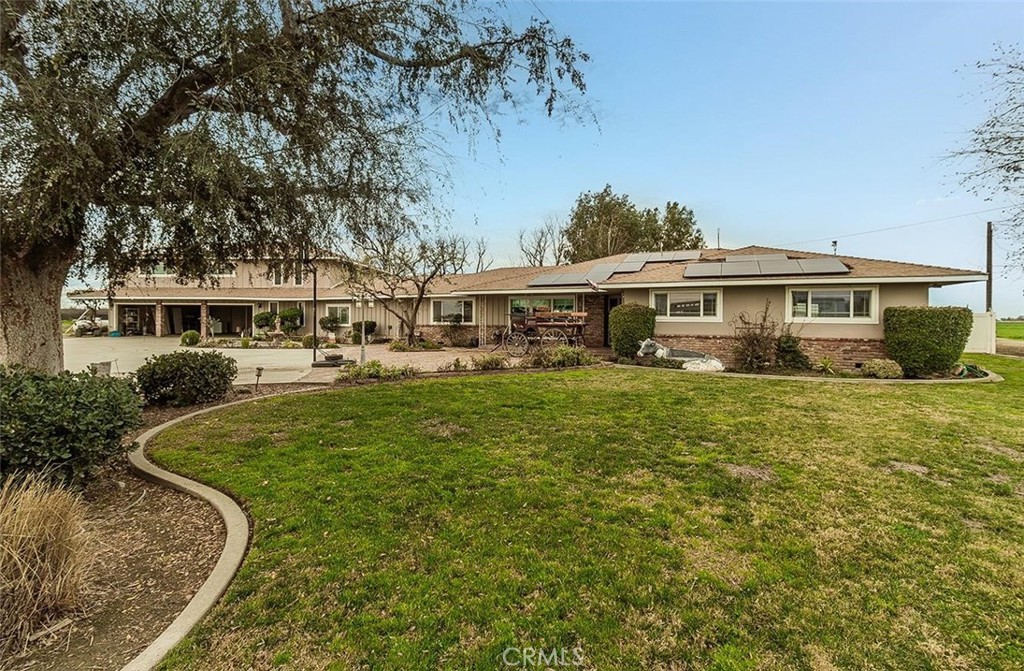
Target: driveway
x,y
279,365
1011,347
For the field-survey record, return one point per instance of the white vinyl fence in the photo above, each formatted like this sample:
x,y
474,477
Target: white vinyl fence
x,y
983,335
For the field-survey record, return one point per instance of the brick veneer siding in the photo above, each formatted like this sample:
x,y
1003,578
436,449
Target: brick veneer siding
x,y
593,333
846,353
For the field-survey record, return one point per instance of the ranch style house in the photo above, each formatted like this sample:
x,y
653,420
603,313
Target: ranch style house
x,y
833,303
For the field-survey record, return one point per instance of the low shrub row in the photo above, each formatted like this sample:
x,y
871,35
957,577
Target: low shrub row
x,y
375,370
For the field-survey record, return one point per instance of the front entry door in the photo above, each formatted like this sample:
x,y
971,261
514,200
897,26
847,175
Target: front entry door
x,y
610,301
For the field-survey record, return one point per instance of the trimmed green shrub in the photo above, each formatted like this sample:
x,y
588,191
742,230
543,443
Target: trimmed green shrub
x,y
245,342
456,366
190,338
629,325
788,353
264,320
493,361
308,342
883,369
291,320
357,331
185,378
562,356
330,323
68,423
926,340
375,370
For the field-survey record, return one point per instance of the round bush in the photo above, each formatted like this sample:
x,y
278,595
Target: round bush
x,y
264,320
186,377
883,369
926,340
291,320
308,342
629,325
190,338
67,423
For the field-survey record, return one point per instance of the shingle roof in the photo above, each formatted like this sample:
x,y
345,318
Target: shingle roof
x,y
517,279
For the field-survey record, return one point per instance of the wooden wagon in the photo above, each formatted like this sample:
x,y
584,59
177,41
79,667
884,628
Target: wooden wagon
x,y
538,327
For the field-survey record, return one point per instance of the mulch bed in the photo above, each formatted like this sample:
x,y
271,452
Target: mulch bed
x,y
155,546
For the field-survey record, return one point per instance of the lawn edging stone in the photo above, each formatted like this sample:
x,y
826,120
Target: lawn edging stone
x,y
236,543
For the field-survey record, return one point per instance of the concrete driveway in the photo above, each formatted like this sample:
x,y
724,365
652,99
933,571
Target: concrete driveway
x,y
279,365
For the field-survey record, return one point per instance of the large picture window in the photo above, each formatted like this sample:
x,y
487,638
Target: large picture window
x,y
832,304
342,312
521,305
445,310
687,305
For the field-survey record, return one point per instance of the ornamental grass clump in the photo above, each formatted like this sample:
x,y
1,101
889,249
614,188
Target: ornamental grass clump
x,y
45,557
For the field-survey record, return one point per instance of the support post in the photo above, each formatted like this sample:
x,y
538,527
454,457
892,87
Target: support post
x,y
204,317
988,267
158,320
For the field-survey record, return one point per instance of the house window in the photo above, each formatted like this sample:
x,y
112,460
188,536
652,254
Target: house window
x,y
444,310
521,305
295,272
274,308
828,304
687,305
342,312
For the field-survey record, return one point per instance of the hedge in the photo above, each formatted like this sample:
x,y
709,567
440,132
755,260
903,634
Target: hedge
x,y
926,340
186,377
65,425
629,325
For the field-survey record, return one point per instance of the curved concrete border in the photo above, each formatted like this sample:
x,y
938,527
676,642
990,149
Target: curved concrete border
x,y
236,525
992,377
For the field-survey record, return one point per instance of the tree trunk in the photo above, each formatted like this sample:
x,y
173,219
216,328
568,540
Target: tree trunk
x,y
30,294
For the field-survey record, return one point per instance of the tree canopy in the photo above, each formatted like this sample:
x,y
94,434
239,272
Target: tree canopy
x,y
191,133
605,223
993,156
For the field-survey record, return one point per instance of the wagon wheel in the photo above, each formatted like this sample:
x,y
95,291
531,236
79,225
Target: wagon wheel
x,y
553,337
517,344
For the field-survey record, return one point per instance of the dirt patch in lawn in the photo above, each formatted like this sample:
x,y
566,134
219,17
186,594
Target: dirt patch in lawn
x,y
442,428
755,473
155,547
903,467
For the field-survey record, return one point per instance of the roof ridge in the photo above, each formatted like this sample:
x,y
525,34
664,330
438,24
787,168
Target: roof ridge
x,y
864,258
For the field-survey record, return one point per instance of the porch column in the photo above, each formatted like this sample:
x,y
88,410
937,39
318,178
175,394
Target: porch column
x,y
158,320
204,316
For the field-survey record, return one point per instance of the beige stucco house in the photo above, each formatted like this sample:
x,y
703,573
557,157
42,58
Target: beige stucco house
x,y
834,303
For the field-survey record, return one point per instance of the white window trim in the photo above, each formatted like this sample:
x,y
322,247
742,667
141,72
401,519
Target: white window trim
x,y
441,300
717,319
550,298
873,319
327,311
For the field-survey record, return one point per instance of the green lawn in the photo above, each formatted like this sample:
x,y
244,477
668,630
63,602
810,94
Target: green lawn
x,y
1014,330
647,519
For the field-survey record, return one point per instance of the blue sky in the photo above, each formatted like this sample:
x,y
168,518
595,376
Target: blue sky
x,y
779,124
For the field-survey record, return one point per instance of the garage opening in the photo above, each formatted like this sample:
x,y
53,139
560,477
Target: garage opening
x,y
181,318
230,320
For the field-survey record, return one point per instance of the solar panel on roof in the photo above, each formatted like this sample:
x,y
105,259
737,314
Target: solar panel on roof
x,y
638,257
684,254
731,258
741,269
600,272
703,270
630,266
823,266
544,280
780,267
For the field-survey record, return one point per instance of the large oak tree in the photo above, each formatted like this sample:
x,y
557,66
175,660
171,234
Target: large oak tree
x,y
191,133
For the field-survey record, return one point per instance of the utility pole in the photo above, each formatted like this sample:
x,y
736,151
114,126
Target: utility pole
x,y
988,267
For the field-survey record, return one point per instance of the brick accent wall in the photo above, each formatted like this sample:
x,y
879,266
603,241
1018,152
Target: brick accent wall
x,y
847,353
593,333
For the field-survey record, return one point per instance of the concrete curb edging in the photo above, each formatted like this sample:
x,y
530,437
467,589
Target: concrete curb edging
x,y
236,526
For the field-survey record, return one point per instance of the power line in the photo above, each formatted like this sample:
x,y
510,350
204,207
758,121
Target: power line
x,y
891,228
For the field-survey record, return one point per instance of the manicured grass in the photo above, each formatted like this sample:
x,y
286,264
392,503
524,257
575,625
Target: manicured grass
x,y
1014,330
649,519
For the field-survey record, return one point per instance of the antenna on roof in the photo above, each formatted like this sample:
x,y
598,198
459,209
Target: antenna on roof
x,y
835,247
718,245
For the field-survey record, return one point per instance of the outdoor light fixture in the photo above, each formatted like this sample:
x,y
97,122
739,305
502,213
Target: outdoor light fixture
x,y
259,373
